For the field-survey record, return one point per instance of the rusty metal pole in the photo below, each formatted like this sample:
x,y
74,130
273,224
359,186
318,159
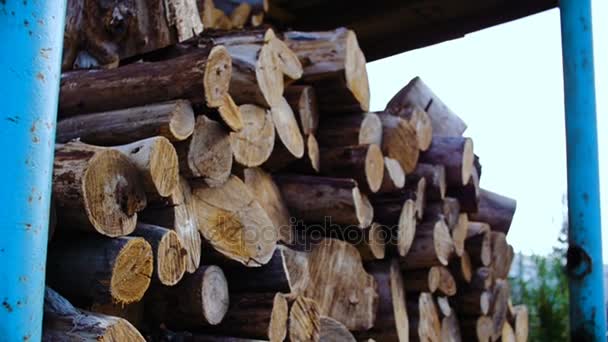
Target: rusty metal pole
x,y
30,70
585,267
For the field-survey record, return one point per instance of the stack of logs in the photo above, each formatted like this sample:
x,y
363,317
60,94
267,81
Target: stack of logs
x,y
232,185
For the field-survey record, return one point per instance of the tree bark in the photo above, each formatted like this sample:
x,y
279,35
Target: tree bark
x,y
253,145
399,141
462,270
476,328
391,319
478,244
363,163
173,120
318,199
444,122
234,223
424,319
467,195
199,300
96,190
496,210
269,196
169,253
207,153
99,270
455,154
432,246
303,102
414,190
100,34
422,280
62,321
435,180
446,285
177,212
335,65
473,303
355,129
400,222
202,76
501,255
500,303
156,160
447,209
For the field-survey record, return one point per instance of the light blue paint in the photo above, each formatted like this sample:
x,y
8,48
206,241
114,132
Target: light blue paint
x,y
32,32
587,310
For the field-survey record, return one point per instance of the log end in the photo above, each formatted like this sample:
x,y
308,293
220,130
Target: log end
x,y
170,259
468,158
164,166
287,127
277,328
214,292
181,122
287,61
370,131
443,243
483,329
113,193
304,320
399,302
332,330
209,153
406,227
374,167
269,75
395,172
356,72
459,233
132,271
313,154
434,277
429,325
485,300
253,145
218,72
231,114
377,244
400,142
424,128
363,208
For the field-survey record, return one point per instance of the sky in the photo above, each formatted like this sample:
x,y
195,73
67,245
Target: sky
x,y
506,83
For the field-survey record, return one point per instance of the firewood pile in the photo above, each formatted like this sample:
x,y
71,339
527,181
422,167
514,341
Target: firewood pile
x,y
231,184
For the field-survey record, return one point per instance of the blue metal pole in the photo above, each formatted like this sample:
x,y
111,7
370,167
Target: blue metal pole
x,y
30,55
585,269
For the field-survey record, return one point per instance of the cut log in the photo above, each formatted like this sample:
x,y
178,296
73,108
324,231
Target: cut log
x,y
399,141
257,19
422,280
100,34
507,334
240,15
392,319
156,160
271,277
462,270
501,254
500,303
169,254
233,222
99,270
394,177
202,76
496,210
335,65
473,303
173,120
446,285
207,153
445,309
356,129
482,278
319,199
432,246
199,300
62,321
519,321
435,180
303,101
467,195
297,265
254,143
331,266
413,190
450,329
424,319
286,127
275,317
96,190
421,121
447,209
459,234
334,331
281,159
363,163
456,154
478,244
476,329
177,212
371,242
269,196
134,312
416,93
400,222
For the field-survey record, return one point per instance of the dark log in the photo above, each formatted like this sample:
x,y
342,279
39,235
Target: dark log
x,y
394,176
455,154
432,246
467,195
478,244
461,268
355,129
363,163
476,328
496,210
500,303
303,101
399,219
472,303
435,180
501,255
447,209
424,318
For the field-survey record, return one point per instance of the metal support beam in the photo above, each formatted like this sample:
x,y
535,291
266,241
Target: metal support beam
x,y
29,72
585,268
